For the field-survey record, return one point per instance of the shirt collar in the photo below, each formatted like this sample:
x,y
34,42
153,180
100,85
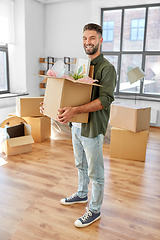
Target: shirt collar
x,y
97,59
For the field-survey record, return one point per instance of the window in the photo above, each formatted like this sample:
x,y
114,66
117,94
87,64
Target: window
x,y
4,77
135,35
108,29
137,29
6,37
113,17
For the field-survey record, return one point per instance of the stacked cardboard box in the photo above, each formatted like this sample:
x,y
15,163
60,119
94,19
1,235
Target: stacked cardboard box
x,y
37,127
28,108
129,133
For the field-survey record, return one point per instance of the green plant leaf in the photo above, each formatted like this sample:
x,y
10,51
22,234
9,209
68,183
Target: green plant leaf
x,y
80,69
76,76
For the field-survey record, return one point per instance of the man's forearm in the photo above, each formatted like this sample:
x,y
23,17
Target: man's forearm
x,y
89,107
65,114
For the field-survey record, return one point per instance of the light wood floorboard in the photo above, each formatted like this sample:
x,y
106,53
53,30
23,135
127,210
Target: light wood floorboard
x,y
32,184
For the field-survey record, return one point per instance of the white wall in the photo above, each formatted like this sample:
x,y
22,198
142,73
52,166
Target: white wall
x,y
7,105
34,30
63,28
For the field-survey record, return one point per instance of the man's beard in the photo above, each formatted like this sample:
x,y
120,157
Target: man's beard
x,y
91,51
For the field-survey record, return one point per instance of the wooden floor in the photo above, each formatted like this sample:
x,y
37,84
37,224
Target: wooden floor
x,y
32,184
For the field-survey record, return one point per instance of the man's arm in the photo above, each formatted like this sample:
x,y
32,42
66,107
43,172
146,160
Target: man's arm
x,y
66,113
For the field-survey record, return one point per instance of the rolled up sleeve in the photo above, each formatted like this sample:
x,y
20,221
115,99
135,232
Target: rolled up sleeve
x,y
108,82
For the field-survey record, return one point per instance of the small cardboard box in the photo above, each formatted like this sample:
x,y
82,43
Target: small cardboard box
x,y
18,145
133,118
28,106
40,128
128,145
62,92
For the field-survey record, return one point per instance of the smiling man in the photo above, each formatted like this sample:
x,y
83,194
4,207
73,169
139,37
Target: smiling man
x,y
91,43
87,138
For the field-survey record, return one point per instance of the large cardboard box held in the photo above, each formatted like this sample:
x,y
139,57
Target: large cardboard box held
x,y
40,128
130,117
128,145
18,145
62,92
28,106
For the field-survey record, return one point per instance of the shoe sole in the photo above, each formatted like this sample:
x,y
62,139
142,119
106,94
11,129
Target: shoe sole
x,y
85,225
70,203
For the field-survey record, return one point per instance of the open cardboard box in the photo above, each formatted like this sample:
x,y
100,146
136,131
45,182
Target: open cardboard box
x,y
128,145
61,92
28,106
130,117
18,145
40,127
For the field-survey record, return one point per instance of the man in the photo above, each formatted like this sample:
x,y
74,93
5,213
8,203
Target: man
x,y
87,138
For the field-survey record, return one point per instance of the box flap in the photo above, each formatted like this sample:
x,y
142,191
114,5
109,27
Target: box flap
x,y
19,141
52,96
75,81
27,129
45,80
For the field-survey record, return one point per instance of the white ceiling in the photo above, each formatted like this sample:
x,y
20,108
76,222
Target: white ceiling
x,y
53,1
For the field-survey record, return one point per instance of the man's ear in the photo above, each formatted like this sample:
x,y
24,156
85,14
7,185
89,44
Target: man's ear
x,y
101,40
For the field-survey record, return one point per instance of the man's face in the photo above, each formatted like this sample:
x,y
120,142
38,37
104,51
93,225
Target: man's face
x,y
91,42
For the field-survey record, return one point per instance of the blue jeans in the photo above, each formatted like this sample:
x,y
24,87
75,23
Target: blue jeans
x,y
89,161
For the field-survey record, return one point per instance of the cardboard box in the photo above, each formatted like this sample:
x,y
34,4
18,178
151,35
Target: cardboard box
x,y
18,145
133,118
128,145
40,128
62,92
28,106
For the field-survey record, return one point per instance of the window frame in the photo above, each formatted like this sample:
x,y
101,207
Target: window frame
x,y
128,95
4,48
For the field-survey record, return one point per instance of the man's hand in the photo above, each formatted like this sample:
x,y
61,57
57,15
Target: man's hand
x,y
65,114
41,108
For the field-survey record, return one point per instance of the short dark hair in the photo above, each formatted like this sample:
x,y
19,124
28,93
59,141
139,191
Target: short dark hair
x,y
93,26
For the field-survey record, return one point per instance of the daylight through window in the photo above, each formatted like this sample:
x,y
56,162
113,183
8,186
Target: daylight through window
x,y
4,78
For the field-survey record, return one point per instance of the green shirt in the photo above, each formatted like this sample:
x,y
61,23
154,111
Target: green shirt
x,y
105,72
